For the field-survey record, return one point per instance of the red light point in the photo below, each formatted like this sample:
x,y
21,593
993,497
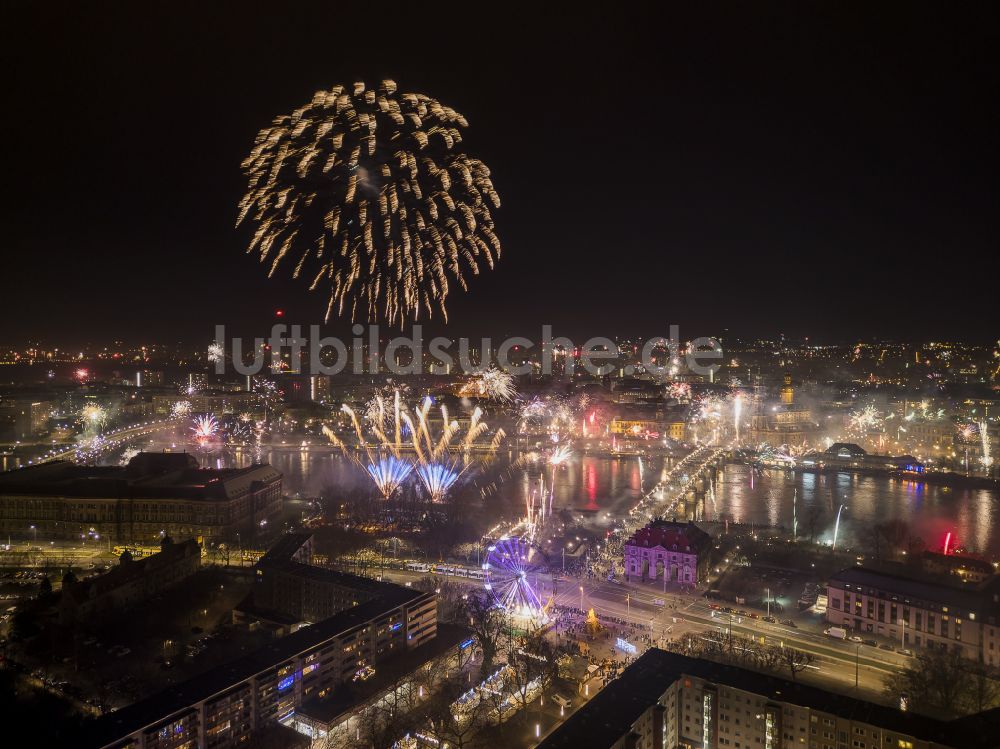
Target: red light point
x,y
279,313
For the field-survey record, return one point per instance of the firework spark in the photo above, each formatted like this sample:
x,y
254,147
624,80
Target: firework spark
x,y
494,384
181,409
88,450
205,428
366,193
216,352
268,395
984,438
868,419
94,417
389,473
439,478
560,456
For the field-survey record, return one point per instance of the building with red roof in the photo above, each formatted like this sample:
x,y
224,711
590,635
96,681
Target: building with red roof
x,y
668,550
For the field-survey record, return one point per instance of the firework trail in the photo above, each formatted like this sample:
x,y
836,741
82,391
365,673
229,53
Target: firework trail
x,y
366,193
380,408
737,412
984,438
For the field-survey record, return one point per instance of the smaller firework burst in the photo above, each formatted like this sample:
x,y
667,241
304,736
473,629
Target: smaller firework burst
x,y
388,473
205,428
868,419
680,391
494,384
560,455
439,478
216,352
180,409
94,417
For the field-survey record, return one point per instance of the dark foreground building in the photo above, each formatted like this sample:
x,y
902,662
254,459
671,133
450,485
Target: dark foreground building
x,y
129,584
670,701
311,672
155,494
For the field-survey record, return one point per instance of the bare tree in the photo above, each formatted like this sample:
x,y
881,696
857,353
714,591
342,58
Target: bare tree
x,y
453,725
896,533
814,516
488,623
934,682
533,664
796,661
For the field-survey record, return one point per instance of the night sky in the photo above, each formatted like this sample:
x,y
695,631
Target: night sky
x,y
804,168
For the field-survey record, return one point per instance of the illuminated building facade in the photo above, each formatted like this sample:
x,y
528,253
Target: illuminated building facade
x,y
917,613
155,494
679,551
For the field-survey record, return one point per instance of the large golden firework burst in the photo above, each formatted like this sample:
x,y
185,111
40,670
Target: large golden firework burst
x,y
367,192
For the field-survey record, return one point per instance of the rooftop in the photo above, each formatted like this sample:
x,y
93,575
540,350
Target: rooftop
x,y
156,708
127,571
176,699
668,534
972,599
609,716
147,475
348,696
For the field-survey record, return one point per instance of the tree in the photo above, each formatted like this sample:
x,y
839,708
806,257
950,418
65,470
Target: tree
x,y
796,661
488,623
813,518
933,683
896,533
453,726
983,689
533,664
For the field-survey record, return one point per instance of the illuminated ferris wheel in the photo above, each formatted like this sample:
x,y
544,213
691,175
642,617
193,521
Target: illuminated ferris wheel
x,y
510,566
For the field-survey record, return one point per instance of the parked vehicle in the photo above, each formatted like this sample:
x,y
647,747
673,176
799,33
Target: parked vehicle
x,y
561,701
836,632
